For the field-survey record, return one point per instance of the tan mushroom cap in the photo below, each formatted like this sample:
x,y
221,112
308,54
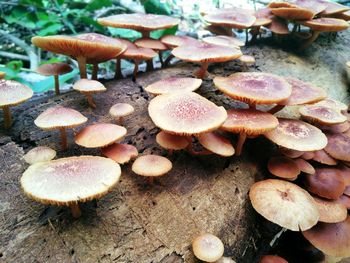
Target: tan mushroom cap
x,y
233,19
59,117
139,21
297,135
205,52
326,24
322,115
290,11
330,211
224,41
39,154
308,155
139,54
247,59
249,121
305,166
290,153
322,157
338,146
89,86
154,44
278,26
173,41
284,204
121,153
53,69
272,259
185,113
336,128
121,110
208,247
332,7
13,93
70,180
99,135
262,21
216,144
171,141
331,239
283,167
303,93
151,165
337,105
254,87
313,5
174,84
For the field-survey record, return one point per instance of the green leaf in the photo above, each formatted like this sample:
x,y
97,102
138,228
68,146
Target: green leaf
x,y
162,32
50,30
15,65
21,17
91,22
52,60
157,7
124,33
98,4
37,3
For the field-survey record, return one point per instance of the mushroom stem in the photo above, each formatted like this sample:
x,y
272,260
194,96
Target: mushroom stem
x,y
120,121
64,144
255,31
240,143
308,42
82,67
252,106
94,71
202,72
202,152
160,58
136,68
75,210
246,36
149,65
295,27
150,180
275,109
145,34
118,69
168,59
90,100
170,152
7,117
57,85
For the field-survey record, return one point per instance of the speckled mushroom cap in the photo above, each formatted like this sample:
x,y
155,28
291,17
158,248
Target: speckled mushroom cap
x,y
59,117
330,211
290,11
284,204
338,146
150,43
39,154
151,165
89,86
303,93
207,247
326,24
337,105
233,19
13,93
216,144
139,21
121,153
249,121
99,135
185,113
205,52
332,7
70,180
254,87
173,41
121,110
283,167
224,41
94,47
52,69
321,115
174,84
297,135
171,141
331,239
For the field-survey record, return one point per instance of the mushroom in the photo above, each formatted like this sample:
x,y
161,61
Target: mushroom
x,y
88,87
121,110
337,105
263,18
272,259
39,154
54,69
216,143
322,157
2,75
338,146
225,260
290,153
283,167
69,181
60,118
224,41
332,7
321,115
284,204
172,142
330,211
121,153
173,84
153,44
290,11
335,128
246,60
304,166
12,93
278,26
207,247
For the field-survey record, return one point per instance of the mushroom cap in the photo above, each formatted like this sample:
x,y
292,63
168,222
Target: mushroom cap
x,y
53,69
151,165
2,74
254,87
70,180
308,155
39,154
173,41
336,128
278,26
313,5
297,135
303,93
326,24
139,21
322,115
345,173
89,86
337,105
59,117
94,47
305,166
332,7
13,93
173,84
283,167
121,110
99,135
291,12
185,113
171,141
290,153
338,146
272,259
139,54
249,121
225,260
284,204
233,19
344,200
216,144
247,59
205,52
262,21
330,211
121,153
322,157
224,41
154,44
331,239
208,247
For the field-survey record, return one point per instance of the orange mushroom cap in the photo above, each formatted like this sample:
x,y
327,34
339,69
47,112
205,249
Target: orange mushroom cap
x,y
89,86
278,26
173,41
153,44
322,157
216,144
338,146
151,165
332,7
173,84
305,166
330,211
290,11
321,114
121,153
224,41
171,141
326,24
52,69
283,167
233,19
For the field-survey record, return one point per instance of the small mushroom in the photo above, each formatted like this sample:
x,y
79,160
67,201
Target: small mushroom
x,y
283,167
216,143
172,142
247,61
290,153
121,153
338,146
89,87
321,115
305,166
337,105
39,154
173,84
224,41
322,157
332,7
330,211
153,44
207,247
121,110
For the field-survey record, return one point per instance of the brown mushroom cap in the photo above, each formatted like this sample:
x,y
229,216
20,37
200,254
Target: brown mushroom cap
x,y
278,26
331,239
208,247
290,11
330,211
233,19
53,69
313,5
285,204
283,167
336,128
171,141
121,153
173,84
39,154
332,7
59,117
99,135
254,87
185,113
224,41
89,86
272,259
70,180
322,157
345,174
308,155
305,166
297,135
154,44
326,24
151,165
13,93
322,115
337,105
338,146
344,200
139,54
173,41
249,121
121,110
216,144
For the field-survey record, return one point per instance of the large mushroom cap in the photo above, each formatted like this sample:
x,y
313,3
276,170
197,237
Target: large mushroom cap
x,y
322,114
39,154
100,135
330,211
59,117
254,87
224,41
173,84
208,247
13,93
216,144
89,86
338,146
52,69
173,41
121,153
285,204
185,113
151,165
69,180
297,135
233,19
171,141
326,24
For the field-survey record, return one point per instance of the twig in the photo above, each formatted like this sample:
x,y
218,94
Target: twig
x,y
13,55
